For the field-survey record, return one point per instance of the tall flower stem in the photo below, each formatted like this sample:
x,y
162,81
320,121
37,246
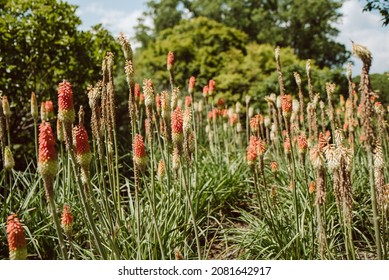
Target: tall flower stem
x,y
57,225
68,135
376,218
191,210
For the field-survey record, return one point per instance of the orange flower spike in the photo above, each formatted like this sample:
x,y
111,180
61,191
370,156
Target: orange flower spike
x,y
302,143
188,101
286,105
211,87
170,61
192,83
83,152
251,155
177,127
16,239
137,92
67,219
139,152
66,112
47,156
205,91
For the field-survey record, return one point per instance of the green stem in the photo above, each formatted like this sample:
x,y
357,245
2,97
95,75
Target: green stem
x,y
376,220
57,227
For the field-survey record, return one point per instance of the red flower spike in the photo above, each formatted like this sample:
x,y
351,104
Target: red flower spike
x,y
66,111
170,61
67,219
211,87
139,152
16,239
47,158
205,91
137,92
192,83
83,153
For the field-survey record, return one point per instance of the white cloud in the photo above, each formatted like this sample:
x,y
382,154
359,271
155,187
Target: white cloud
x,y
364,28
114,20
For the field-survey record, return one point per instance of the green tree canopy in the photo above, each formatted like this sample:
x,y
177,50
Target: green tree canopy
x,y
40,46
382,6
210,50
304,25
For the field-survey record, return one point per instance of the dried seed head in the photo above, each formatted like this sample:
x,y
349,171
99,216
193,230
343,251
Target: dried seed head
x,y
302,143
161,170
174,100
126,46
6,107
187,121
338,137
378,157
267,121
295,106
176,159
247,99
148,91
315,157
165,105
16,239
238,107
43,111
34,107
251,112
297,78
362,52
177,254
332,158
66,111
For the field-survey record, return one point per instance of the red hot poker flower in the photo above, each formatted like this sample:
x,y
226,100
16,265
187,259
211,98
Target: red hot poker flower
x,y
170,61
192,82
47,158
177,127
16,239
81,141
67,219
66,111
211,87
139,152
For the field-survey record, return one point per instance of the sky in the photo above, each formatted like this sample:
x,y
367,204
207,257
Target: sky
x,y
364,28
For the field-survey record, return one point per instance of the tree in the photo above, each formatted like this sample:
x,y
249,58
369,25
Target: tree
x,y
382,6
304,25
40,46
210,50
199,46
